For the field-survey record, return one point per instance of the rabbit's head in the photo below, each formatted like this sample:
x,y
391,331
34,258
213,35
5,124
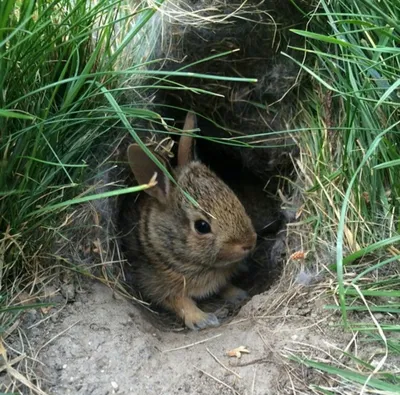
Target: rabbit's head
x,y
216,232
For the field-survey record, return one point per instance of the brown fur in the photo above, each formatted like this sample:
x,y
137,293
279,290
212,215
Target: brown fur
x,y
172,264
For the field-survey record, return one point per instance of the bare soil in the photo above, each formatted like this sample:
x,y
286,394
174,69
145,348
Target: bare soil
x,y
102,344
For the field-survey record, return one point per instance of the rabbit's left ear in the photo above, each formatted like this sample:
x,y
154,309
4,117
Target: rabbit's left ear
x,y
143,168
187,144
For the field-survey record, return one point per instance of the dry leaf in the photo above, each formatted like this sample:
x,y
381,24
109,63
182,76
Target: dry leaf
x,y
96,218
237,352
97,247
45,310
296,256
298,213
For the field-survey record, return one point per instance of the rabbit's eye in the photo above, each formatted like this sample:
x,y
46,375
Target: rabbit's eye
x,y
202,226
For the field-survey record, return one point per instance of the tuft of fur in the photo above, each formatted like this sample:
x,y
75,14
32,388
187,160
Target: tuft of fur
x,y
307,278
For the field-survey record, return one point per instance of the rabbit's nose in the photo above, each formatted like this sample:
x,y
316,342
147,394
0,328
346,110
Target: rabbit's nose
x,y
248,247
250,244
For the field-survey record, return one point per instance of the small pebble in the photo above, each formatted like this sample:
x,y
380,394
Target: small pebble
x,y
114,385
31,317
375,362
35,332
54,315
68,291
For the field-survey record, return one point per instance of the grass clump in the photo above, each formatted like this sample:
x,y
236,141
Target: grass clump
x,y
70,71
61,64
350,164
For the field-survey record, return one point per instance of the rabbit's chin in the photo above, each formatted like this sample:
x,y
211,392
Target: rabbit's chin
x,y
229,258
228,263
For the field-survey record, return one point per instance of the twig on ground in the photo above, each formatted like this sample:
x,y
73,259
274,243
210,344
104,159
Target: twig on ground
x,y
253,384
11,329
55,337
49,316
22,379
224,366
12,362
218,380
253,362
192,344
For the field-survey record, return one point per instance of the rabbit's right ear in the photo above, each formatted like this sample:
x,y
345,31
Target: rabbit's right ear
x,y
187,146
143,168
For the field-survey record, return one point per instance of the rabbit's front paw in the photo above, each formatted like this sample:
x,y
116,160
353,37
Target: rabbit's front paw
x,y
200,320
194,318
234,294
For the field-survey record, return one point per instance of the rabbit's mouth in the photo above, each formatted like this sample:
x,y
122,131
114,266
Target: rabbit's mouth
x,y
231,257
234,253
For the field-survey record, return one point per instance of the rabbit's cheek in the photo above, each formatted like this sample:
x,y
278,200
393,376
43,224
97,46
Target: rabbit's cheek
x,y
203,243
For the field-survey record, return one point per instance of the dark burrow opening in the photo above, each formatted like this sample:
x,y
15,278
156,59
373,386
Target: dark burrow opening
x,y
259,195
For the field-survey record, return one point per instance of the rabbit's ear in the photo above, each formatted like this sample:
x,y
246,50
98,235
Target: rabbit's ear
x,y
143,168
186,149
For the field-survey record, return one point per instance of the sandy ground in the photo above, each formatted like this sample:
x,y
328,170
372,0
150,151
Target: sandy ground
x,y
101,344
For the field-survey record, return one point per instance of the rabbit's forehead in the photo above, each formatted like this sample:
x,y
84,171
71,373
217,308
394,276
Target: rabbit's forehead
x,y
206,188
214,197
216,201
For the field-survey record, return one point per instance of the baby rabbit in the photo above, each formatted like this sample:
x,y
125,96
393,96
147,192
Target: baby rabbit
x,y
178,252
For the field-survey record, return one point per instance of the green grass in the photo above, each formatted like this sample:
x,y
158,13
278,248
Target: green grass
x,y
57,60
350,165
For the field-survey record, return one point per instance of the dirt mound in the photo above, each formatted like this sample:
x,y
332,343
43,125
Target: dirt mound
x,y
101,344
